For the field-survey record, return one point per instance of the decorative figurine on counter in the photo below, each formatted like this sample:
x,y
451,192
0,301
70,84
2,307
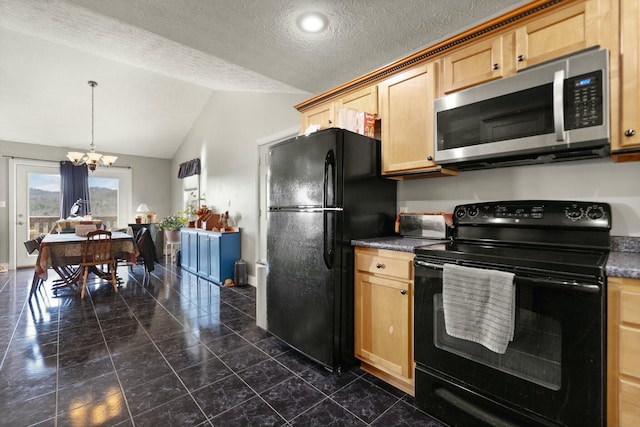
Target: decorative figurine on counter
x,y
224,221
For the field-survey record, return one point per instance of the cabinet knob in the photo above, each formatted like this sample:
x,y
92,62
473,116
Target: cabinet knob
x,y
629,132
378,265
330,121
403,292
496,66
520,58
430,158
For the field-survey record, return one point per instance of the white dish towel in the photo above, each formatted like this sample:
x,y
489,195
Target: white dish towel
x,y
479,305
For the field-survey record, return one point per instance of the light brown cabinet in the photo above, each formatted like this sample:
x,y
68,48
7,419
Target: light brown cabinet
x,y
384,315
321,114
630,78
365,99
477,63
406,114
556,34
623,371
326,114
562,32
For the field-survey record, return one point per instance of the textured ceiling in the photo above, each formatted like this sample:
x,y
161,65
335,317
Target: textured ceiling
x,y
162,58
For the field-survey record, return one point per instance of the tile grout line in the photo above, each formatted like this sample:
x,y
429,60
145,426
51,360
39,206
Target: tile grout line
x,y
104,340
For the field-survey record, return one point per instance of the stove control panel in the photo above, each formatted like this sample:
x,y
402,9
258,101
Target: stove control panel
x,y
538,213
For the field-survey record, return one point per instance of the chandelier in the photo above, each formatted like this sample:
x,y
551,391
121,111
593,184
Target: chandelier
x,y
91,159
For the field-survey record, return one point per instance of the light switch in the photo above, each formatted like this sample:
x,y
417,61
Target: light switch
x,y
3,204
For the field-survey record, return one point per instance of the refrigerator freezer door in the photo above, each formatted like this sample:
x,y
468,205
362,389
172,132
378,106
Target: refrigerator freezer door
x,y
300,288
297,170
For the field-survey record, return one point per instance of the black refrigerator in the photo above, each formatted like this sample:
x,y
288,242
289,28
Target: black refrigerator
x,y
324,190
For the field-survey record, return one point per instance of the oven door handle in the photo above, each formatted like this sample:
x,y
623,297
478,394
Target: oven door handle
x,y
552,283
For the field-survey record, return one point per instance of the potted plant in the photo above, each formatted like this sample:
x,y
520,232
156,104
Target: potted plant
x,y
173,223
171,226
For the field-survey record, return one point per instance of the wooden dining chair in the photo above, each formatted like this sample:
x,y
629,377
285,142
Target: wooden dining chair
x,y
97,252
32,246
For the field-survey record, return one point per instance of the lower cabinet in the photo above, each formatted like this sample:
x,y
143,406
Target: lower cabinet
x,y
384,315
209,254
623,371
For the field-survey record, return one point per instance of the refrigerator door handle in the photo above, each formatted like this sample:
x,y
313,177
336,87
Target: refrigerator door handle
x,y
329,199
329,182
328,237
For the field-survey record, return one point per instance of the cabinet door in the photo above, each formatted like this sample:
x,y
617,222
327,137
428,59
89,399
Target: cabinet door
x,y
365,99
478,63
630,66
559,33
204,260
184,250
214,257
406,111
383,319
323,115
192,265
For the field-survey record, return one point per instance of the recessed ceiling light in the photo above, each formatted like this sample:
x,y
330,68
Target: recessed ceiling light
x,y
312,22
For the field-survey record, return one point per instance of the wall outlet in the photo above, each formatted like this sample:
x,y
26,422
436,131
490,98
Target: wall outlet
x,y
404,209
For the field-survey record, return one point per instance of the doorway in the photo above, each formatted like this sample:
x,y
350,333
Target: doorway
x,y
34,197
37,205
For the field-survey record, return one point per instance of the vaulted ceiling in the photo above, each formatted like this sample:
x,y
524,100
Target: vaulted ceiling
x,y
157,62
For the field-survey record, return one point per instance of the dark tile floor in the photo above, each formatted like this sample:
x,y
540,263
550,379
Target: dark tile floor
x,y
171,350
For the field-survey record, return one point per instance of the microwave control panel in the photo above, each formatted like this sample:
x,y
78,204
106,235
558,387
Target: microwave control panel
x,y
583,103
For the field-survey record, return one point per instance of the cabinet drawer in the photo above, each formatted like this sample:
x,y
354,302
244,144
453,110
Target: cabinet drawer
x,y
400,268
629,403
630,307
629,351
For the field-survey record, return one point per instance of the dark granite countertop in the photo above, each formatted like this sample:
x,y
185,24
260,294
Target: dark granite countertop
x,y
393,243
624,259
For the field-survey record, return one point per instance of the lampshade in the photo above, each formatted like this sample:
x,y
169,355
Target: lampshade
x,y
143,208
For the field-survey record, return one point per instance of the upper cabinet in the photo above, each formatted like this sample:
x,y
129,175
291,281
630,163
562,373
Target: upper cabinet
x,y
326,113
479,62
365,99
551,36
321,114
406,114
539,31
629,132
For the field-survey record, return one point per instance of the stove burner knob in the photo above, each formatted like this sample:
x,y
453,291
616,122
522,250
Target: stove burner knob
x,y
473,211
460,213
573,214
595,212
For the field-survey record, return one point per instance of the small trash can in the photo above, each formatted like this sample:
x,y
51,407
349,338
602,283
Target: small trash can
x,y
240,273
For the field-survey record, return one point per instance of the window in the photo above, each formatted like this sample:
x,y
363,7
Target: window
x,y
110,190
104,199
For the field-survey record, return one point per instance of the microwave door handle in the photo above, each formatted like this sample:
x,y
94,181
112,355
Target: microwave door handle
x,y
558,105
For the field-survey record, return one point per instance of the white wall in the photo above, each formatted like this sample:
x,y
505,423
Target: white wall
x,y
151,182
587,180
224,138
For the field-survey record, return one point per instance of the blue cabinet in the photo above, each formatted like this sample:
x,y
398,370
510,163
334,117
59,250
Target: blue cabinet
x,y
209,254
189,251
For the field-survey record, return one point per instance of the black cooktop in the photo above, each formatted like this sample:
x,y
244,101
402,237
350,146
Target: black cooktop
x,y
542,237
533,260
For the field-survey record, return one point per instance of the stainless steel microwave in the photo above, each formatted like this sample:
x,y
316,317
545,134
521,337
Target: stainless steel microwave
x,y
555,111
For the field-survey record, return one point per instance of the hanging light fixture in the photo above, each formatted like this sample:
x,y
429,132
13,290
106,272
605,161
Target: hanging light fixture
x,y
91,159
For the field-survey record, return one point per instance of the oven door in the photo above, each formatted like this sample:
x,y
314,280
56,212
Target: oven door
x,y
551,374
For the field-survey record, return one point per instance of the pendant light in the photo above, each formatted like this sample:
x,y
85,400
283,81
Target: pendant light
x,y
91,159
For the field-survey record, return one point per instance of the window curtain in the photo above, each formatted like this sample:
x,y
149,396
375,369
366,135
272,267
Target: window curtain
x,y
192,167
74,183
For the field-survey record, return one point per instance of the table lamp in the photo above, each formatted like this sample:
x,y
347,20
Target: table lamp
x,y
142,211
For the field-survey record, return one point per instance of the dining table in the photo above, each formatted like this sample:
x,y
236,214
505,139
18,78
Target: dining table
x,y
62,252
